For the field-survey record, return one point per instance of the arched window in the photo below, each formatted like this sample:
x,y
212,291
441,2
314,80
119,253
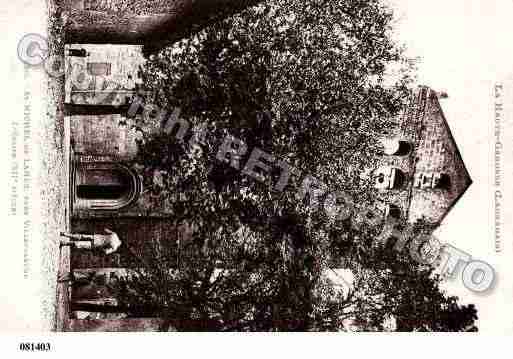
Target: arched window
x,y
442,181
393,211
432,180
78,52
389,178
105,186
395,147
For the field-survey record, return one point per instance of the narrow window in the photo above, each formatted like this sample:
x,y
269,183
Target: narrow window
x,y
389,178
99,68
394,147
394,211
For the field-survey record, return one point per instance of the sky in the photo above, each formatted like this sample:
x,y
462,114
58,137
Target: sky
x,y
465,49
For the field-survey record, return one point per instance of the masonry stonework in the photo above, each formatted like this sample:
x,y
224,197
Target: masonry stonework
x,y
424,162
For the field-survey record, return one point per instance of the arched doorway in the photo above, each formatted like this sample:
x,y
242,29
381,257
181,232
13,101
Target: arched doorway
x,y
104,186
393,211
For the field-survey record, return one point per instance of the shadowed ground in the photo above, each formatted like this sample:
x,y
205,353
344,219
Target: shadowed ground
x,y
53,180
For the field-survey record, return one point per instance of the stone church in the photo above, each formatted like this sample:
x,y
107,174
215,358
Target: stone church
x,y
421,173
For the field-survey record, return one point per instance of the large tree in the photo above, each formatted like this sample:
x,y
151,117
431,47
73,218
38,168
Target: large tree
x,y
408,294
307,82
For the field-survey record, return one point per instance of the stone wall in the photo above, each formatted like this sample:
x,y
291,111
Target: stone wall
x,y
434,153
103,135
407,130
120,80
437,154
138,235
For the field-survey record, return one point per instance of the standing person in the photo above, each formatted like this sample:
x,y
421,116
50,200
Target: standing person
x,y
107,243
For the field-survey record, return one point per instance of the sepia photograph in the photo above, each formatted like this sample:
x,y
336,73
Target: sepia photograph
x,y
257,166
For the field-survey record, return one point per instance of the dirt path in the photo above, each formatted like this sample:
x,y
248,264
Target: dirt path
x,y
53,179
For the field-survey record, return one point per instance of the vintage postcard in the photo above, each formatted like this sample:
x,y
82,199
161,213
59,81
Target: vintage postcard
x,y
257,166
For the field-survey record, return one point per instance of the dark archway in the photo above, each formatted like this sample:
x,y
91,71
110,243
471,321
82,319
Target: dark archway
x,y
443,181
105,186
388,178
395,147
393,211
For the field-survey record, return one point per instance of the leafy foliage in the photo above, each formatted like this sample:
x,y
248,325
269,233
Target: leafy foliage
x,y
305,81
